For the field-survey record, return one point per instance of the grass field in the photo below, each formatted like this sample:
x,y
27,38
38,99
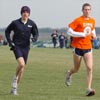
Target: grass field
x,y
44,76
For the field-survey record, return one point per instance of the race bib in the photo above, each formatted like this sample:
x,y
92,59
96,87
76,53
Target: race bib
x,y
87,30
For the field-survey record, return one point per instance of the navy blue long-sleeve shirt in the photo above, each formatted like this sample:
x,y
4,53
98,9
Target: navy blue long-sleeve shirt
x,y
22,32
61,38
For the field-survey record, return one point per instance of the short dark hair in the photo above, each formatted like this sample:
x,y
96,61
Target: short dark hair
x,y
85,4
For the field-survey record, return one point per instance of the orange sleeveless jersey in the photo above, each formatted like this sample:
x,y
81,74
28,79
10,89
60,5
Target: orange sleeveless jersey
x,y
79,25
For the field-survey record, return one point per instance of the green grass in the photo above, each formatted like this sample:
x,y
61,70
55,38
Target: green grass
x,y
44,76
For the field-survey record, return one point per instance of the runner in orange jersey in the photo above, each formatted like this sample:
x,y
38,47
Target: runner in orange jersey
x,y
82,29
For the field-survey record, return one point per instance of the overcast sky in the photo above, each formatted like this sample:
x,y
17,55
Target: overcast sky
x,y
47,13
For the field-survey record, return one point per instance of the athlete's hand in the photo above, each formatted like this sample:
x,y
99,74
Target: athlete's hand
x,y
93,37
12,46
34,39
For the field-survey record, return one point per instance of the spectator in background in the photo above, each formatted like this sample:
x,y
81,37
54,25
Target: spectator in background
x,y
54,36
95,43
62,40
71,38
66,42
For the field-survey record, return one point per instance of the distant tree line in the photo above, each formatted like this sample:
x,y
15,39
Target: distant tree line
x,y
50,30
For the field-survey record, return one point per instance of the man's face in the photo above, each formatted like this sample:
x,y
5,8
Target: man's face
x,y
25,15
86,11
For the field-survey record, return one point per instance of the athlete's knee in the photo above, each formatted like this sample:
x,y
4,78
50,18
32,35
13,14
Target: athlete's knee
x,y
22,65
89,69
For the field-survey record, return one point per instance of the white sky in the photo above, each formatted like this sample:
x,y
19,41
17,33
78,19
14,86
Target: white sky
x,y
47,13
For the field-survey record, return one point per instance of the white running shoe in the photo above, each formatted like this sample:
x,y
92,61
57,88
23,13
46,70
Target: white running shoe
x,y
14,82
90,92
14,92
68,79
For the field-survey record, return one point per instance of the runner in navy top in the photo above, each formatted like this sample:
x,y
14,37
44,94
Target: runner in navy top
x,y
20,42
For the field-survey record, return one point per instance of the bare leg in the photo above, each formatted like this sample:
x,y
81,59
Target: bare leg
x,y
77,61
17,78
20,68
89,63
